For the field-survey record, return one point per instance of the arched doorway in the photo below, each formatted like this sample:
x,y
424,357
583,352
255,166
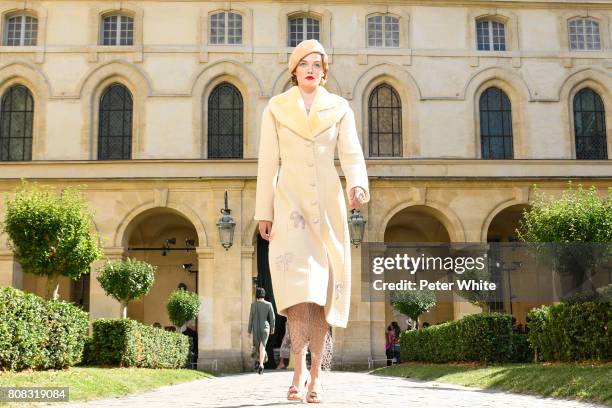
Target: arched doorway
x,y
509,264
418,224
165,238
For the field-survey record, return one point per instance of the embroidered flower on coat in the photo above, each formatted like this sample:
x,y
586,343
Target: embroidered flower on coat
x,y
338,289
283,261
298,219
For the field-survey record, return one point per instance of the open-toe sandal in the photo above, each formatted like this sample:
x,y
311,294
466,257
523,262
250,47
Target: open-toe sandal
x,y
313,397
298,395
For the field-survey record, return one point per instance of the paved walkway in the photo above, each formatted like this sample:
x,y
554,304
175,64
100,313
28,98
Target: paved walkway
x,y
341,389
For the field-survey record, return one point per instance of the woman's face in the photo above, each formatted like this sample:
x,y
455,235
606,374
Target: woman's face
x,y
309,71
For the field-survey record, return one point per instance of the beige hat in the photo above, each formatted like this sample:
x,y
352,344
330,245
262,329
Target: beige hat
x,y
303,49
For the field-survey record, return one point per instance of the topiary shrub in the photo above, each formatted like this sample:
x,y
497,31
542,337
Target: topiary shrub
x,y
413,303
182,306
127,280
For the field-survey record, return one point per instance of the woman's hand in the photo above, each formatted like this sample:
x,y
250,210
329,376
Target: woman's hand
x,y
265,227
357,197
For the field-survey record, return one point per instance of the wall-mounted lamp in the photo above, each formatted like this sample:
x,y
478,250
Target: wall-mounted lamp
x,y
226,226
167,243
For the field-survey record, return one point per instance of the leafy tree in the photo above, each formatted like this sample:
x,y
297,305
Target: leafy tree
x,y
51,233
480,298
580,220
182,306
127,280
413,303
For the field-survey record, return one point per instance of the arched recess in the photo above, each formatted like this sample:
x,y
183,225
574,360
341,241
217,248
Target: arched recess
x,y
570,85
518,107
445,215
90,89
125,227
409,92
496,73
31,77
512,202
250,88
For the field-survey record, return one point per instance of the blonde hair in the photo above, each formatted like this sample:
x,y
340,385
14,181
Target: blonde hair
x,y
294,80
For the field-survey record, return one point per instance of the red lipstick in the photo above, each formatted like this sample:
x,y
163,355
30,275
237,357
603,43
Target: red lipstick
x,y
309,77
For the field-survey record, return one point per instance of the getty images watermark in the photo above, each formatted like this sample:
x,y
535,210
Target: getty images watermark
x,y
486,272
412,264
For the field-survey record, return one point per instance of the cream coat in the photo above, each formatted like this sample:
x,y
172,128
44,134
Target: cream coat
x,y
309,252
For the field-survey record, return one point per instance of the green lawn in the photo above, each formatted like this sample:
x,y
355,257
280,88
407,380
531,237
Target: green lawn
x,y
582,381
88,383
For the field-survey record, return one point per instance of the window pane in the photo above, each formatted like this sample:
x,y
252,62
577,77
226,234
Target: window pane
x,y
234,30
495,112
589,125
482,35
391,31
384,122
115,127
312,29
217,28
16,125
225,110
584,34
375,31
296,31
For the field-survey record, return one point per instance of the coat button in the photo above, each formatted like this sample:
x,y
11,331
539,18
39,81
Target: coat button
x,y
313,184
310,164
313,202
315,220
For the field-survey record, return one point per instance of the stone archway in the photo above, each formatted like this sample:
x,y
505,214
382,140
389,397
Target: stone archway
x,y
417,224
146,236
514,284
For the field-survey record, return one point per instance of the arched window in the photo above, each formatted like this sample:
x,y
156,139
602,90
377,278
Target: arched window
x,y
21,30
117,29
303,28
385,122
225,28
584,34
115,130
16,119
495,124
490,35
590,125
383,31
225,122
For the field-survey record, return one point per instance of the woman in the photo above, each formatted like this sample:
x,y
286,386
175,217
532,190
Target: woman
x,y
389,342
302,212
261,324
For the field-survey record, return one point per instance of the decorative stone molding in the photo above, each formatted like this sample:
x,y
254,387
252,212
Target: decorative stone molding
x,y
563,33
31,8
27,74
97,12
504,16
246,48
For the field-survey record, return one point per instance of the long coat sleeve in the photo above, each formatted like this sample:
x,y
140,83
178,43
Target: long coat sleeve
x,y
309,250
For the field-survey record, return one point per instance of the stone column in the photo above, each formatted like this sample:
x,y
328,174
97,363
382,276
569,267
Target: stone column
x,y
10,271
247,297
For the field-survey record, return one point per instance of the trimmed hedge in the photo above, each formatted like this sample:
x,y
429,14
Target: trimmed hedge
x,y
128,343
39,333
480,337
568,332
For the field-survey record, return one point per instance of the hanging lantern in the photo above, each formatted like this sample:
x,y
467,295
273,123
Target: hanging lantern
x,y
226,226
356,227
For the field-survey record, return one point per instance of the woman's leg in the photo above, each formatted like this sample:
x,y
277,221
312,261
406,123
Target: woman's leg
x,y
298,318
320,345
262,353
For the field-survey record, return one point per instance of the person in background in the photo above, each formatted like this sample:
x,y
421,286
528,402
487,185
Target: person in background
x,y
389,342
261,325
191,332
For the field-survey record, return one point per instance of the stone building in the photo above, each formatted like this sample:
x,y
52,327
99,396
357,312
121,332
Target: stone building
x,y
153,107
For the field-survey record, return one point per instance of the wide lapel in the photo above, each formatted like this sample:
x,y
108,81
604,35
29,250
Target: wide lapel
x,y
288,109
326,110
